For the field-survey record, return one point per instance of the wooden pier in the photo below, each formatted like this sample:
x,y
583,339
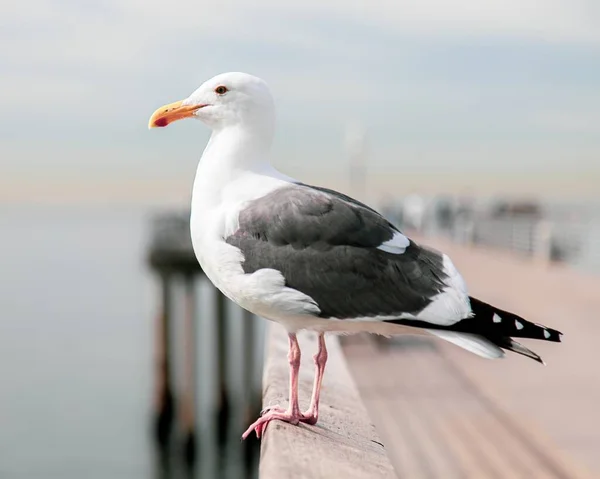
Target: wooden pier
x,y
404,407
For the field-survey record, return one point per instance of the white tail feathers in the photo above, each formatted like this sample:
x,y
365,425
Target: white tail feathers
x,y
471,342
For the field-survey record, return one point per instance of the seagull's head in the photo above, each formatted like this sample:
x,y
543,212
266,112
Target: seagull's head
x,y
229,99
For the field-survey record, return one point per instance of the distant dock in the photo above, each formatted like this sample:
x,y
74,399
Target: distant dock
x,y
178,428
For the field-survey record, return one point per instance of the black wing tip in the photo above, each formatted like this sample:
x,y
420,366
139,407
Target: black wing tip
x,y
533,356
511,345
516,326
539,360
555,335
529,353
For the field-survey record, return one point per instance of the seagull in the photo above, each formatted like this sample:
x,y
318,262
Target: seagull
x,y
311,258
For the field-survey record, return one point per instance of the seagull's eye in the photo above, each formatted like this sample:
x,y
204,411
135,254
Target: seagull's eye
x,y
221,90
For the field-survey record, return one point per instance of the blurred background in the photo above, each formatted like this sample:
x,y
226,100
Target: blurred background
x,y
478,122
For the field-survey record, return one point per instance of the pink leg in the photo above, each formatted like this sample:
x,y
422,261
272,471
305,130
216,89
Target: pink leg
x,y
312,413
292,415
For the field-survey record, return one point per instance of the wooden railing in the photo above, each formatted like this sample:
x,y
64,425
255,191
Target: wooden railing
x,y
542,239
343,444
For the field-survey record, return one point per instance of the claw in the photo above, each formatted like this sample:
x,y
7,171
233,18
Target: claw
x,y
260,425
267,409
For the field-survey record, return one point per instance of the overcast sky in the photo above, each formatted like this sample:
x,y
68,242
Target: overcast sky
x,y
486,87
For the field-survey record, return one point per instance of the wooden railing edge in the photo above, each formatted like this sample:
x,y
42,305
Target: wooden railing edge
x,y
344,442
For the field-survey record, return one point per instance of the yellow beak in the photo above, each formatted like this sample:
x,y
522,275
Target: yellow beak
x,y
172,112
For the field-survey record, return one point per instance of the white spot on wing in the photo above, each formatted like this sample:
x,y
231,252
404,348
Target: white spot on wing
x,y
397,245
518,325
546,333
496,318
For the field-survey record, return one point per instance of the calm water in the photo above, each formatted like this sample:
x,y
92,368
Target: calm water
x,y
75,344
76,350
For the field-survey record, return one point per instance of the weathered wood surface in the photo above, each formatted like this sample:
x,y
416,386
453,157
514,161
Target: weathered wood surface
x,y
443,412
562,398
435,422
343,444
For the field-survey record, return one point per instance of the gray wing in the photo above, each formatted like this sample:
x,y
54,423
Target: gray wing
x,y
329,247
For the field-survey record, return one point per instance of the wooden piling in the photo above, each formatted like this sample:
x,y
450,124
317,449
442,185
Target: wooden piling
x,y
222,399
188,416
171,256
248,339
252,399
164,403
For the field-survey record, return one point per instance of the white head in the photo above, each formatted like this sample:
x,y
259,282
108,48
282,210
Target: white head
x,y
227,100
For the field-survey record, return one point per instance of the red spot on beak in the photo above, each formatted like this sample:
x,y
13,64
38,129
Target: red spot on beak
x,y
161,122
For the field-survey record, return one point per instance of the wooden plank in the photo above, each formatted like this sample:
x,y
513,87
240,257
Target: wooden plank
x,y
406,463
436,423
559,401
446,404
342,444
458,443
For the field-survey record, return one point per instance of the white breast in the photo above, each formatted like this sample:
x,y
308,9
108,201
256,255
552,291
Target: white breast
x,y
213,219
